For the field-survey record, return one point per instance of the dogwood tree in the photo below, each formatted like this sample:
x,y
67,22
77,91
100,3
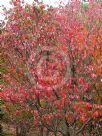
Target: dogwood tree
x,y
50,67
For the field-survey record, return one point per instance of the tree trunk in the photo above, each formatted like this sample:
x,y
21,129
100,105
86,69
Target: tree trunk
x,y
21,131
1,128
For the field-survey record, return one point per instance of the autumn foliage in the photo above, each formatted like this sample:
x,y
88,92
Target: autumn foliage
x,y
51,67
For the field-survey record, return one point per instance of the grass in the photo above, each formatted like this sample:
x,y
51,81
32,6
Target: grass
x,y
7,133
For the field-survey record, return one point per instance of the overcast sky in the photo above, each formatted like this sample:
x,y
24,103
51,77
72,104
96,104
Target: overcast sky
x,y
7,5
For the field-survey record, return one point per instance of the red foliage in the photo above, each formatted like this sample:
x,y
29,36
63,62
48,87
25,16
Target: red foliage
x,y
55,47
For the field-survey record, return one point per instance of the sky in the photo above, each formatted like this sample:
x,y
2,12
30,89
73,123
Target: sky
x,y
7,5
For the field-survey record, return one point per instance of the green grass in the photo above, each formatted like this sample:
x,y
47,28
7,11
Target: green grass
x,y
7,133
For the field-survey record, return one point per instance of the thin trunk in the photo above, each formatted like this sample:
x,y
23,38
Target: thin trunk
x,y
1,128
21,131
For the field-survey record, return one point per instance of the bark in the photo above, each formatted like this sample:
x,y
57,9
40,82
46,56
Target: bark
x,y
21,131
1,128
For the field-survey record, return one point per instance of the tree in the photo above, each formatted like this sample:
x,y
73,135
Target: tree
x,y
50,51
